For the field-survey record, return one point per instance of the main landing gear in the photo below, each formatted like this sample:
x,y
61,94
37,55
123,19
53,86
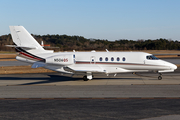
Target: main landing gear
x,y
87,77
160,76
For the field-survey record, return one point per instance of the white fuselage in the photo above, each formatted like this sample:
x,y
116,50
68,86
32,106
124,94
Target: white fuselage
x,y
84,62
105,62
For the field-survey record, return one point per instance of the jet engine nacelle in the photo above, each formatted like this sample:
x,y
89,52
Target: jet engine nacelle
x,y
61,59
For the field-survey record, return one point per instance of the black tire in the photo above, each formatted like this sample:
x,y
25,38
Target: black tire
x,y
159,78
85,78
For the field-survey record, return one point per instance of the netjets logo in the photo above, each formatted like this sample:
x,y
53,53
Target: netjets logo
x,y
61,60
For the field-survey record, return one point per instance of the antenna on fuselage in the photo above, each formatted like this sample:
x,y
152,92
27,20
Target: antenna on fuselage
x,y
107,50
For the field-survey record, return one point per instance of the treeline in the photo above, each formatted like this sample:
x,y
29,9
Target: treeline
x,y
79,43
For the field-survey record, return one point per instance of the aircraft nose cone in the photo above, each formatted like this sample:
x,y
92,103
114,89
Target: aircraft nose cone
x,y
173,67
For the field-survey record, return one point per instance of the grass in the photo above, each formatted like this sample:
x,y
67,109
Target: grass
x,y
7,52
22,69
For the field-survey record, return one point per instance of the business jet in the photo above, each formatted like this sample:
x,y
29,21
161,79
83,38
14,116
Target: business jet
x,y
85,63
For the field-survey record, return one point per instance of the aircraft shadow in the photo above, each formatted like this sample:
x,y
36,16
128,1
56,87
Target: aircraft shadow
x,y
58,78
44,80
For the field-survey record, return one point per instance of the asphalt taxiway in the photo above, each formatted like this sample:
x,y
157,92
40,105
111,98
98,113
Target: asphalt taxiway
x,y
90,109
56,96
52,96
54,85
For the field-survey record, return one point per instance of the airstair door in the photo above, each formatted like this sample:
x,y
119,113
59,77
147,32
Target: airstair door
x,y
92,60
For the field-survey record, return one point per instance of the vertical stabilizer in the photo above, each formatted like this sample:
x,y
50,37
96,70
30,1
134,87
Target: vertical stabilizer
x,y
23,39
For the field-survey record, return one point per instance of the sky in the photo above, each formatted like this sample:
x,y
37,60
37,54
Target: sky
x,y
98,19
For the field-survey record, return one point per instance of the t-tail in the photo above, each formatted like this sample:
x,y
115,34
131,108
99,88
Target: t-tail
x,y
28,48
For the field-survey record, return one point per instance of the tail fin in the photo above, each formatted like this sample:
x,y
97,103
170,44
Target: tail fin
x,y
24,40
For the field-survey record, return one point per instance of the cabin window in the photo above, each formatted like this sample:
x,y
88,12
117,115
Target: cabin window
x,y
124,59
151,57
100,59
74,58
118,59
112,59
106,59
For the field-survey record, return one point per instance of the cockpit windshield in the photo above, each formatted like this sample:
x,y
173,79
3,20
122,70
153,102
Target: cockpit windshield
x,y
152,57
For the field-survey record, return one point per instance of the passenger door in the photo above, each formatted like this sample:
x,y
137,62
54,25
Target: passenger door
x,y
92,60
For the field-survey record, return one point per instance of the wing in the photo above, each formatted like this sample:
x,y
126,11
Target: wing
x,y
83,69
95,69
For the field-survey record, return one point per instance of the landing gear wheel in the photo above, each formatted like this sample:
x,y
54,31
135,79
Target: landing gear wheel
x,y
159,78
85,78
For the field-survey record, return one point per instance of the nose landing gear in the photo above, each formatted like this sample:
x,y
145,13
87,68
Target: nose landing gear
x,y
160,76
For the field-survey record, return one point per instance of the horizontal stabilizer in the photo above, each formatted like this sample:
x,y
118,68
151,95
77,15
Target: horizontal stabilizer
x,y
25,47
38,64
